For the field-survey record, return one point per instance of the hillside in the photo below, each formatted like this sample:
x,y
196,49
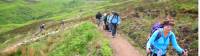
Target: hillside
x,y
80,36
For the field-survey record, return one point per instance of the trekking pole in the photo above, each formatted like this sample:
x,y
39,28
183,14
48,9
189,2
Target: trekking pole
x,y
186,50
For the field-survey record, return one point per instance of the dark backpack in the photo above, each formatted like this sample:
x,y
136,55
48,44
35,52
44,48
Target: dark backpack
x,y
105,18
158,35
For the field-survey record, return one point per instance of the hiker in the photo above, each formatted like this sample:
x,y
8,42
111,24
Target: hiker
x,y
42,27
109,16
62,23
115,21
105,26
159,41
98,18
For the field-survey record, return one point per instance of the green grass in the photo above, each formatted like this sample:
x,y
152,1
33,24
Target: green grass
x,y
106,49
82,40
70,12
75,43
20,11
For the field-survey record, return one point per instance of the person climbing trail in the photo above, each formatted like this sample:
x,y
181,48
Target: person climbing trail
x,y
109,16
42,28
115,21
62,23
159,41
105,22
98,18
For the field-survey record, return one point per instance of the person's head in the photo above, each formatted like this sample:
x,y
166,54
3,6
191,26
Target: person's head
x,y
62,20
167,25
109,13
105,14
115,13
170,19
43,24
98,12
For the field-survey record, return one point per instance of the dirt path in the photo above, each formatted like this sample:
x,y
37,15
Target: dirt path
x,y
121,46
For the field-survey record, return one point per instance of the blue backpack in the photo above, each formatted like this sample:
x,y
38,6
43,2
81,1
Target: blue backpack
x,y
114,19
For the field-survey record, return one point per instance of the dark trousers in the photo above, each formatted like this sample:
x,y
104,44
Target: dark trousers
x,y
154,54
114,29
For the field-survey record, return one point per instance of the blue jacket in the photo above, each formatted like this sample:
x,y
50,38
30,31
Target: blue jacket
x,y
109,18
162,43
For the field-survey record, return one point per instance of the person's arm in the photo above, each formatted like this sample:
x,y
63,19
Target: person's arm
x,y
119,20
148,36
109,20
152,38
175,44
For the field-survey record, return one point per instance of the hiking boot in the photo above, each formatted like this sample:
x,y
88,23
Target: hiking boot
x,y
113,36
109,31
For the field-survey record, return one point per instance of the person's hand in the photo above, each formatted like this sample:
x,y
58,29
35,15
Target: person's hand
x,y
148,36
148,50
185,52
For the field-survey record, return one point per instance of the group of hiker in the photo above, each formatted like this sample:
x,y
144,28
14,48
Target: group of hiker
x,y
110,21
158,39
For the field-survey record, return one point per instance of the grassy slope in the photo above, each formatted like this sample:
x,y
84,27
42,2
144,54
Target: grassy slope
x,y
19,13
71,13
31,27
138,24
82,40
89,10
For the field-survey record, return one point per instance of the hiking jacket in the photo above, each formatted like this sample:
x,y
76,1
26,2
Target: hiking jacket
x,y
160,45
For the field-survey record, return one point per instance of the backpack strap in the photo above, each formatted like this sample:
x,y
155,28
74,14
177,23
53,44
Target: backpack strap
x,y
117,19
170,37
112,18
158,35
